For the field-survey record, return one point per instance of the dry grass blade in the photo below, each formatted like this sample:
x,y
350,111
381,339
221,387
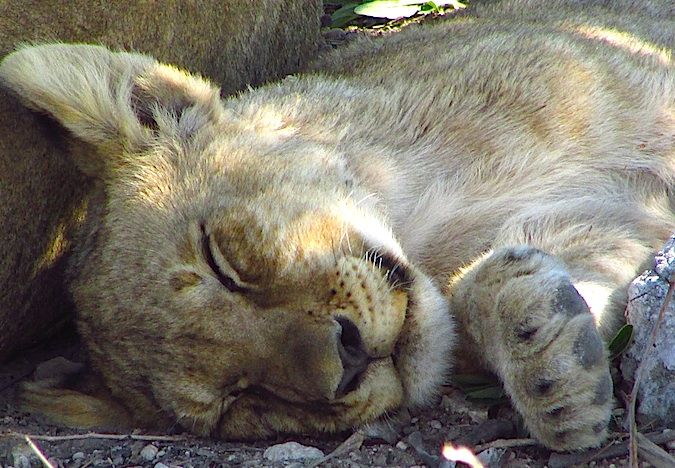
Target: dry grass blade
x,y
38,452
633,442
506,443
94,435
614,449
352,443
653,453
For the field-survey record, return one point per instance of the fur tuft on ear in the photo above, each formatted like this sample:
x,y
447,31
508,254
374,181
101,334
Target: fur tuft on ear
x,y
116,101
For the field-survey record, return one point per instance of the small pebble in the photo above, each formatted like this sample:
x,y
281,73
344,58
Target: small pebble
x,y
149,452
291,451
401,445
22,455
21,461
435,424
161,465
414,420
117,460
77,456
492,456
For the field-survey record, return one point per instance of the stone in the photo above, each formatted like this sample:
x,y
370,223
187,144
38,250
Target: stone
x,y
77,456
646,294
491,456
149,452
22,456
292,451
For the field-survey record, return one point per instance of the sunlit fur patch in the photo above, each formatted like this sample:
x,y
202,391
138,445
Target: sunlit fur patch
x,y
625,41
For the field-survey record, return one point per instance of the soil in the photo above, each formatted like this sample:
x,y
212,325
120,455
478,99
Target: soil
x,y
416,441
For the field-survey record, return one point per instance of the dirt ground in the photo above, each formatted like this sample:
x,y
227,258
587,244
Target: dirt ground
x,y
416,442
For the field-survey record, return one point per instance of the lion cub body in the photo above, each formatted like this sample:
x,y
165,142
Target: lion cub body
x,y
293,259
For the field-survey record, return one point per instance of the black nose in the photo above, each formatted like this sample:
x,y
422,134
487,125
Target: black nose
x,y
353,355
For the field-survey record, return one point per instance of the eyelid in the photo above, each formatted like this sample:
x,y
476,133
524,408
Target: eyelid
x,y
397,273
229,283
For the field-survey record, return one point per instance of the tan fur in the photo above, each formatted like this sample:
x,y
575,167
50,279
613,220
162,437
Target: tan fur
x,y
43,195
518,164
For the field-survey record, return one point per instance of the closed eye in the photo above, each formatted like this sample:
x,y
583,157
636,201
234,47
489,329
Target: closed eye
x,y
230,284
398,275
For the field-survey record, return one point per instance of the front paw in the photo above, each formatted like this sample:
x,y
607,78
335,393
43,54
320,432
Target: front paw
x,y
538,334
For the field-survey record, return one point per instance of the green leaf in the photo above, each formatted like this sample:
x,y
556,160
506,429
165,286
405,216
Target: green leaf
x,y
343,15
390,9
621,340
487,393
467,382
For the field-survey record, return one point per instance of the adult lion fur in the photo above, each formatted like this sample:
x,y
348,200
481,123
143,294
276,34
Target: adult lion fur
x,y
306,256
43,196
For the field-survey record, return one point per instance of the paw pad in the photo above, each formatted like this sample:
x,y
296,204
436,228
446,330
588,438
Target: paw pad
x,y
568,301
588,348
603,392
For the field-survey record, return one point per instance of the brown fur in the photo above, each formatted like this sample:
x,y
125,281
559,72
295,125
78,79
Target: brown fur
x,y
518,164
228,41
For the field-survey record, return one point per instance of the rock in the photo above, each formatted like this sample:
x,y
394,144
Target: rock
x,y
291,451
435,424
455,401
401,445
491,456
21,461
646,294
149,452
160,465
22,456
77,456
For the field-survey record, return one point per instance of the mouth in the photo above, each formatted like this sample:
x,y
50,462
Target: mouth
x,y
420,356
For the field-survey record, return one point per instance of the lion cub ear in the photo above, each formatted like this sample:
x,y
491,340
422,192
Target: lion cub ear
x,y
121,103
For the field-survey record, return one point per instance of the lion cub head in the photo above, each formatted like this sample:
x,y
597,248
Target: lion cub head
x,y
232,283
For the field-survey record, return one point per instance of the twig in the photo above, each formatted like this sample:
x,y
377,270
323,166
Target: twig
x,y
614,449
94,435
488,431
653,453
352,443
633,446
506,443
38,452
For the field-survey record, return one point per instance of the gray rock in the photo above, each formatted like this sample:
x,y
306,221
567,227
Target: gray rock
x,y
646,294
291,451
149,452
23,456
492,456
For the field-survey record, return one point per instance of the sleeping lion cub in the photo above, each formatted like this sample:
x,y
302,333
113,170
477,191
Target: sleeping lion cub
x,y
305,257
